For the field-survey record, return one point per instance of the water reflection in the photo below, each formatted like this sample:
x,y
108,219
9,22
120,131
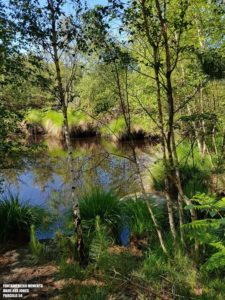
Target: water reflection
x,y
44,178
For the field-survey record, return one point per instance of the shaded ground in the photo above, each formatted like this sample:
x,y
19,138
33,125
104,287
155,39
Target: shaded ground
x,y
16,268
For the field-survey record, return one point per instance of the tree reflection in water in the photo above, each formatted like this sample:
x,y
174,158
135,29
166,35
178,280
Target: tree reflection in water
x,y
43,178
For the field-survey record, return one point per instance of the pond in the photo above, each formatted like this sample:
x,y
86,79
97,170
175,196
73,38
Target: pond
x,y
43,178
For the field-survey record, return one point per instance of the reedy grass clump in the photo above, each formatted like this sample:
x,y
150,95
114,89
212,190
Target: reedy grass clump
x,y
105,205
117,215
117,128
16,219
34,116
52,122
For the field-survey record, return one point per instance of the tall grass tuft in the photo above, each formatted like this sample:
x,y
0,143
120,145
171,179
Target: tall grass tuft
x,y
16,219
104,204
34,116
117,129
80,124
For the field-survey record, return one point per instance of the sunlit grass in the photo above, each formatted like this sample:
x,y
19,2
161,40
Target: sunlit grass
x,y
52,122
34,116
117,128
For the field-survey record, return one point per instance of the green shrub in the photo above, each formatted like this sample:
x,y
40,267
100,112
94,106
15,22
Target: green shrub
x,y
16,219
99,243
64,245
209,231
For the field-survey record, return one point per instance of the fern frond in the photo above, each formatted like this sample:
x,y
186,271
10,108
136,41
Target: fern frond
x,y
100,242
203,224
216,261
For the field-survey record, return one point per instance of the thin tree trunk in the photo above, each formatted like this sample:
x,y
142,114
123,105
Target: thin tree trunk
x,y
166,180
172,152
148,204
125,106
155,48
76,209
180,202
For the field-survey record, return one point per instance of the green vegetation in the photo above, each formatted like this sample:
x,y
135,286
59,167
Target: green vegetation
x,y
68,72
210,230
195,172
149,270
52,122
36,247
106,205
141,127
34,116
16,219
142,269
137,216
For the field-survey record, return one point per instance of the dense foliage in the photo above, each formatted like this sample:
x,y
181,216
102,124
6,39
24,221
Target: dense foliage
x,y
123,70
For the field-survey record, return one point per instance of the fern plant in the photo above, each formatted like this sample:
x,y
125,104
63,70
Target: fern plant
x,y
35,246
211,229
100,243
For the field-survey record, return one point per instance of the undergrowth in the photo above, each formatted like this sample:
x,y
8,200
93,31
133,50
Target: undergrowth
x,y
16,218
194,170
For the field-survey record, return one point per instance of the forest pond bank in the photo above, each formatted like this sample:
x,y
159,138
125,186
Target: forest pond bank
x,y
43,178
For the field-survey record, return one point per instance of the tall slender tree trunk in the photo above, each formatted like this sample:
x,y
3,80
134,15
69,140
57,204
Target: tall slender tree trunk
x,y
76,209
171,144
155,47
169,199
125,106
148,204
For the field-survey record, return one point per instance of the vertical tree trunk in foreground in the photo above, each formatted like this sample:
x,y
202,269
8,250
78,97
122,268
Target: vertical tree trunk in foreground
x,y
76,209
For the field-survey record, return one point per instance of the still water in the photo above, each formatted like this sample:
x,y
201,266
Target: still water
x,y
43,178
